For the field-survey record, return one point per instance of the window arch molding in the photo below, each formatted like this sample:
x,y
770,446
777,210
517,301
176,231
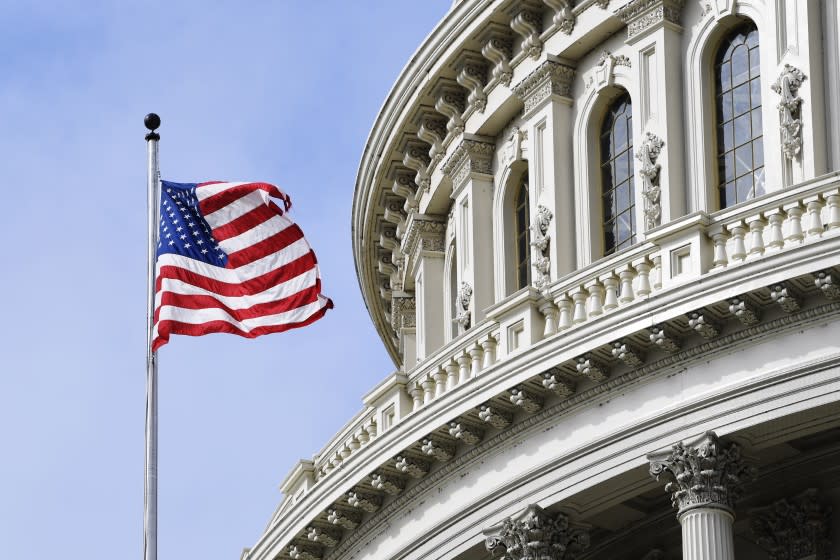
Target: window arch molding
x,y
701,146
615,82
504,227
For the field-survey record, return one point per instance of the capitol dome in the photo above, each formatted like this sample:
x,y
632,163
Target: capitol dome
x,y
600,240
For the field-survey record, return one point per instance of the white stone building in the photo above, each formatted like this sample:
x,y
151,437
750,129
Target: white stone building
x,y
601,241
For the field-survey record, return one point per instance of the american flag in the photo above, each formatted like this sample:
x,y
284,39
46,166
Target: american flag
x,y
230,260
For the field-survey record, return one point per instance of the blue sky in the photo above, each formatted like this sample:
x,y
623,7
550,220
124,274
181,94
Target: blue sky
x,y
281,91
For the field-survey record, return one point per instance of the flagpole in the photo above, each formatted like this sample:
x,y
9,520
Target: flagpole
x,y
152,122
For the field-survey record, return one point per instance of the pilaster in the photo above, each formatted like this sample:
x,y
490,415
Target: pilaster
x,y
423,246
548,115
470,170
652,30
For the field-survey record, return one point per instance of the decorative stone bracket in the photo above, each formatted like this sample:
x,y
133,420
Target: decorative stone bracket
x,y
536,534
787,85
651,192
541,241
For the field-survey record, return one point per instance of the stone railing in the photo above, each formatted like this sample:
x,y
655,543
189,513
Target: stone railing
x,y
675,254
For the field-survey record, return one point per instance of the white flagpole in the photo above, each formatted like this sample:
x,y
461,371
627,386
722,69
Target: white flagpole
x,y
152,122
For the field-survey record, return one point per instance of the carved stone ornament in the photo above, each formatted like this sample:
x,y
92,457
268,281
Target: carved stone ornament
x,y
603,4
549,78
541,241
345,519
648,154
471,156
513,148
497,47
640,15
564,18
537,535
424,233
705,473
793,529
471,73
464,297
451,101
403,313
527,23
303,552
787,85
620,60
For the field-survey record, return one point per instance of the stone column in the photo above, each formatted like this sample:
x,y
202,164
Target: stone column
x,y
403,321
422,246
470,169
793,529
706,480
536,534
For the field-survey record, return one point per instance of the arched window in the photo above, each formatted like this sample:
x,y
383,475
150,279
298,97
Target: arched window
x,y
523,237
740,146
617,176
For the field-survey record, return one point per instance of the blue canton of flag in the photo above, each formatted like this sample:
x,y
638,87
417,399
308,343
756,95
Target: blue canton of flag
x,y
183,230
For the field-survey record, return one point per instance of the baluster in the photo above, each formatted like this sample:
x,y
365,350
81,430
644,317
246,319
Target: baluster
x,y
756,235
814,204
489,347
428,385
643,279
626,276
476,354
720,257
440,381
371,428
596,297
610,292
775,219
416,396
579,298
832,199
564,317
451,375
463,367
794,223
657,271
738,231
550,313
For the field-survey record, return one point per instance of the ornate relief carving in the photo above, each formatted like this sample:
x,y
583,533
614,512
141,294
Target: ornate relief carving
x,y
405,187
326,537
639,15
345,519
785,297
620,60
464,297
549,78
827,283
744,311
494,416
706,472
424,233
440,451
528,24
388,484
787,85
537,535
450,101
541,241
471,156
663,338
364,502
648,154
472,74
403,313
513,149
526,401
432,130
793,529
302,552
564,18
701,323
628,354
552,381
603,4
467,434
588,366
497,47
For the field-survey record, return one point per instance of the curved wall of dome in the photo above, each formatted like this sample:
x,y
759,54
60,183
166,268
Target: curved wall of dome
x,y
601,242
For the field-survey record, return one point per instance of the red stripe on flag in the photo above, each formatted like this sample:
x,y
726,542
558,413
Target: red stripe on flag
x,y
245,222
227,196
276,242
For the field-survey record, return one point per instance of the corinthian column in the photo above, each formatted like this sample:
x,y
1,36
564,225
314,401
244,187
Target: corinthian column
x,y
706,478
536,535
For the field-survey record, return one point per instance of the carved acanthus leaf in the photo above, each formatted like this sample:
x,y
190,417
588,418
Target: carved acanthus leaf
x,y
640,15
471,156
549,78
537,535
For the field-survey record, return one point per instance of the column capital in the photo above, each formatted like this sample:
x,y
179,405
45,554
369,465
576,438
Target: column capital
x,y
549,78
790,529
403,312
534,533
643,15
704,473
473,155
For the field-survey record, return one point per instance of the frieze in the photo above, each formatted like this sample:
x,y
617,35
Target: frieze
x,y
640,15
471,156
549,78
